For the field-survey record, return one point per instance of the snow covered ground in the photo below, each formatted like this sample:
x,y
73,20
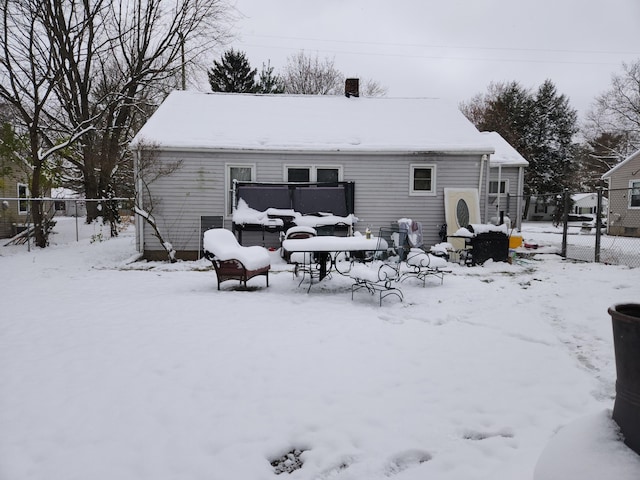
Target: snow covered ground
x,y
118,370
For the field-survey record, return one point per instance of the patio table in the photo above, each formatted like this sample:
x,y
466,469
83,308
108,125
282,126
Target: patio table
x,y
326,249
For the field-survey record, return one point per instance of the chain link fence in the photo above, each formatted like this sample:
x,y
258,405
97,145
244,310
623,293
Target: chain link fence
x,y
16,222
601,226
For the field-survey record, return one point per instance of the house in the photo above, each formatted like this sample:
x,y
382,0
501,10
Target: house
x,y
68,203
403,157
624,197
583,207
587,204
13,211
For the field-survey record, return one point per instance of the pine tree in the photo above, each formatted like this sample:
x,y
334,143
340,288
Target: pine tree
x,y
268,82
540,126
553,150
232,74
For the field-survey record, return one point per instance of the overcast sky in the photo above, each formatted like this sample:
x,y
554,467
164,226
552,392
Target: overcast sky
x,y
450,49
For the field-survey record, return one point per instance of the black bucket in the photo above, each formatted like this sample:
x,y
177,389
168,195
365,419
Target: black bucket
x,y
626,341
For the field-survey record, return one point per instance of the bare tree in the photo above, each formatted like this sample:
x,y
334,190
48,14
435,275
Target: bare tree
x,y
311,76
96,69
129,55
372,88
616,113
28,75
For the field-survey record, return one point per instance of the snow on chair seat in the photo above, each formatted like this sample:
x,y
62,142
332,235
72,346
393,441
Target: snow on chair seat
x,y
376,277
420,264
231,260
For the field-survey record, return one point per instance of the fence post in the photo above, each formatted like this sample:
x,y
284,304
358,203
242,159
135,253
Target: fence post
x,y
598,224
565,221
75,202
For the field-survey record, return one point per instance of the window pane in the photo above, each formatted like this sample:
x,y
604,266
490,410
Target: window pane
x,y
297,174
635,194
242,174
327,175
422,179
23,192
493,187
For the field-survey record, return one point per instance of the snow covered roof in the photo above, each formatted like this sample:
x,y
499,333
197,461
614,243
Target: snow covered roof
x,y
192,120
629,159
505,154
576,197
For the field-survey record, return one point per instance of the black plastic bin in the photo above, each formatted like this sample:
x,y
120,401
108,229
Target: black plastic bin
x,y
625,320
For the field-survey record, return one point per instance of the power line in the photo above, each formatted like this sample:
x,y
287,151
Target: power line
x,y
459,47
436,57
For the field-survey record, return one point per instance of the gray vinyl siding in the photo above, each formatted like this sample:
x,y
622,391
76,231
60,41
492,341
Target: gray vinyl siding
x,y
622,219
381,189
181,198
507,204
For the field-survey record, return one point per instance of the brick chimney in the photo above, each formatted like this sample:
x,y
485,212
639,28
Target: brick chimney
x,y
352,87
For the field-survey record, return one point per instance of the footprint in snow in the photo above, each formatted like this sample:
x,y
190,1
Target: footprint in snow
x,y
407,459
476,435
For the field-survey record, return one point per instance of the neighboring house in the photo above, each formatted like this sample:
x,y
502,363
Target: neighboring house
x,y
584,205
624,197
68,203
400,155
587,204
13,212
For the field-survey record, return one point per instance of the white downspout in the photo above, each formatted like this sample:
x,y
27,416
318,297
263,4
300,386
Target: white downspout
x,y
138,201
499,184
483,159
520,198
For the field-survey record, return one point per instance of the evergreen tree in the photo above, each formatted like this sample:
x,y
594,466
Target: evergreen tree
x,y
268,82
232,73
553,151
540,126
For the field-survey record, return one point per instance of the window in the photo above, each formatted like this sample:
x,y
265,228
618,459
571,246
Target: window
x,y
298,175
423,180
23,205
322,174
327,175
634,194
241,173
493,187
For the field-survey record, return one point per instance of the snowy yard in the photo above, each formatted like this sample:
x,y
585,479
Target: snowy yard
x,y
118,370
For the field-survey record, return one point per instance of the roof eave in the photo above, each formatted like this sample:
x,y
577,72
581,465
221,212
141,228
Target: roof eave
x,y
474,150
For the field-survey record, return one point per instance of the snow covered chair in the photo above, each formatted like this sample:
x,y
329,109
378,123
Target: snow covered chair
x,y
296,232
420,264
231,260
377,277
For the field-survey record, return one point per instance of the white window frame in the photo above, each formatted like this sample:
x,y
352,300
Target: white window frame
x,y
422,193
26,196
313,170
635,181
228,183
505,181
